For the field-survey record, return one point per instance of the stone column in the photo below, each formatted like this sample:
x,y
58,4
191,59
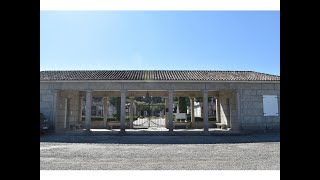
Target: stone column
x,y
88,110
178,111
236,122
212,106
80,109
166,113
218,109
192,111
66,114
134,110
123,111
205,111
105,111
131,112
170,109
54,122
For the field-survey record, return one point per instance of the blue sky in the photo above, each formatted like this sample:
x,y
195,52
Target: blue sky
x,y
160,40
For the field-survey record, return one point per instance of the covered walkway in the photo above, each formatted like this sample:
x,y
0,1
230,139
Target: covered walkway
x,y
62,94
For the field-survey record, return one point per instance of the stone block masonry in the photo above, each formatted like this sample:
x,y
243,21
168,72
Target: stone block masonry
x,y
252,106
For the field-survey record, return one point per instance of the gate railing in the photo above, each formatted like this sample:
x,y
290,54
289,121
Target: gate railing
x,y
149,122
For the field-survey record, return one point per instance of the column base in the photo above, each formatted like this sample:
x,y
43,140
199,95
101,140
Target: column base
x,y
87,131
205,133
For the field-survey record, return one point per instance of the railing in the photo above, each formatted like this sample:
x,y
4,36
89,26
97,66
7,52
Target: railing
x,y
149,122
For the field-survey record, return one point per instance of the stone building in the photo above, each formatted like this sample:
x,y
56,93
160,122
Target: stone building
x,y
244,100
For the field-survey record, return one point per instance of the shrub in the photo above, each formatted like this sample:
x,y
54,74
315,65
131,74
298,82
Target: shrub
x,y
134,118
212,119
112,119
188,116
94,118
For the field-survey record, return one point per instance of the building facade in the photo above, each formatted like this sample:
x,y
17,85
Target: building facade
x,y
244,100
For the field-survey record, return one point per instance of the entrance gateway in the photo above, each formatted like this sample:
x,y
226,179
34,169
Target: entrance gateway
x,y
152,115
240,98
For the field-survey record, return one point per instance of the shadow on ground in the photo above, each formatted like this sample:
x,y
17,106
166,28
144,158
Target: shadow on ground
x,y
109,139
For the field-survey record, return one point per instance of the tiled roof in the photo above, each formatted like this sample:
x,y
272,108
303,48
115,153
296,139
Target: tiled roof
x,y
161,75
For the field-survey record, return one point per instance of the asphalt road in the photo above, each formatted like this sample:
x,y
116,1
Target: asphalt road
x,y
247,152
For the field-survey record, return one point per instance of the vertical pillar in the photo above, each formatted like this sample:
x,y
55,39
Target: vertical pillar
x,y
192,111
134,110
218,109
131,112
88,110
54,122
205,111
65,113
170,109
230,114
105,111
123,110
178,111
166,113
212,106
80,109
236,124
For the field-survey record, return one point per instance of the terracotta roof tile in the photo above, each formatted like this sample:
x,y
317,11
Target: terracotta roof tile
x,y
157,75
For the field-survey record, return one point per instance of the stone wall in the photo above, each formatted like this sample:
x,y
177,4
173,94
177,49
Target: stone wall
x,y
251,99
228,108
46,104
73,109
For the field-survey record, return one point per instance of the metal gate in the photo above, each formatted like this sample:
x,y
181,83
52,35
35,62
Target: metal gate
x,y
150,116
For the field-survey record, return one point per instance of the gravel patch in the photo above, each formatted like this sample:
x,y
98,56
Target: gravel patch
x,y
247,152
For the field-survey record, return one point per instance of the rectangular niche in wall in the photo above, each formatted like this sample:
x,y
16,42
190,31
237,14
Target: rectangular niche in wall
x,y
270,105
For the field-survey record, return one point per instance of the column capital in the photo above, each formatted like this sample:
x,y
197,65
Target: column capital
x,y
204,91
123,90
170,90
89,91
131,97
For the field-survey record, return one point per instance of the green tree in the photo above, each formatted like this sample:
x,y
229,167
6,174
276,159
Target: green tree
x,y
199,99
183,103
116,102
